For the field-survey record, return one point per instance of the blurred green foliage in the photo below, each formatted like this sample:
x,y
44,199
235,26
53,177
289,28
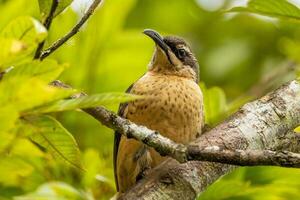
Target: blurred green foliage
x,y
68,155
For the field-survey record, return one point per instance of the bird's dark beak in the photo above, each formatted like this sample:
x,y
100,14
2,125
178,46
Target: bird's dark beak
x,y
157,38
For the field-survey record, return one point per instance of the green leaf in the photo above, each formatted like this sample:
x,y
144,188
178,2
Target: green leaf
x,y
45,6
214,104
26,29
24,93
278,8
46,70
86,102
12,50
19,38
51,135
18,85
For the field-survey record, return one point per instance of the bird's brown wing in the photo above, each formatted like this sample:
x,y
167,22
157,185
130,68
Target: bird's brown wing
x,y
117,139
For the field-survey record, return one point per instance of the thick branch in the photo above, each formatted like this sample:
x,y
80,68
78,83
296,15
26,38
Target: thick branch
x,y
72,32
47,25
245,157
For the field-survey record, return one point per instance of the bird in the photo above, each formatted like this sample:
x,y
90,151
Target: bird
x,y
172,104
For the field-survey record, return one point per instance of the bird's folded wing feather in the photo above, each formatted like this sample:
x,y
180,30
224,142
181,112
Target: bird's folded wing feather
x,y
122,113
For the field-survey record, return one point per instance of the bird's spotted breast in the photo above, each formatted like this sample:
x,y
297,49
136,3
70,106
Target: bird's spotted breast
x,y
171,105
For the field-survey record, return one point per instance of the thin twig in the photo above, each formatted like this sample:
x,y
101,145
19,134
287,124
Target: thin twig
x,y
72,32
47,25
183,153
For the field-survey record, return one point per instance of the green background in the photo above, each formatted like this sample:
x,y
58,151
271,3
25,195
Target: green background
x,y
241,56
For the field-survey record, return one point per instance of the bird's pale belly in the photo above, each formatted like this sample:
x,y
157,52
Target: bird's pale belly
x,y
172,106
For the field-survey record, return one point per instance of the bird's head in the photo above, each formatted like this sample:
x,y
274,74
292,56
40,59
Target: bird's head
x,y
172,56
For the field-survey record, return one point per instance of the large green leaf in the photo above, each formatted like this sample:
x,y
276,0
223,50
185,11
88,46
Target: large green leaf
x,y
24,93
46,70
214,104
11,50
19,38
85,102
26,29
45,6
26,86
272,8
55,139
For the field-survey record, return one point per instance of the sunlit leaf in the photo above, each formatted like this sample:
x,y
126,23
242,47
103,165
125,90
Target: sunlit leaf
x,y
85,102
11,47
214,104
278,8
45,6
18,39
51,135
11,51
46,70
26,29
24,93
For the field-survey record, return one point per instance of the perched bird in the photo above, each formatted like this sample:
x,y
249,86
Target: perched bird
x,y
172,105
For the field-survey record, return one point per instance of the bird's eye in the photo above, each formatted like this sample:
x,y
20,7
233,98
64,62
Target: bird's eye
x,y
181,53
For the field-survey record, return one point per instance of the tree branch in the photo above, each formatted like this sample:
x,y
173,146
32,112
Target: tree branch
x,y
244,157
183,153
47,25
72,32
263,124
